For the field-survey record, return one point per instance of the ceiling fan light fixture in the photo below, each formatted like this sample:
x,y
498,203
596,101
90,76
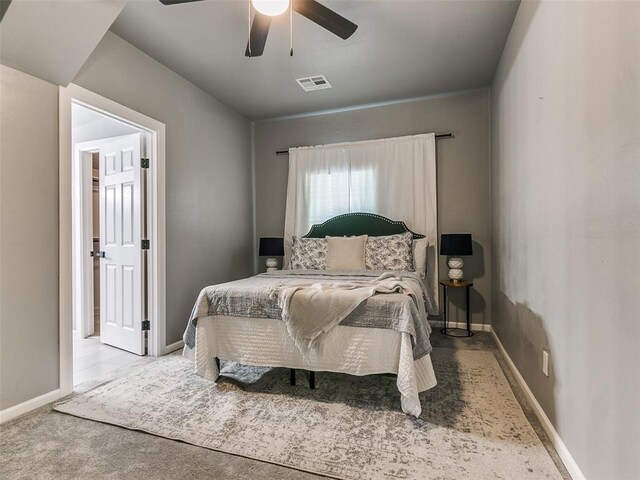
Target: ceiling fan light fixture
x,y
271,8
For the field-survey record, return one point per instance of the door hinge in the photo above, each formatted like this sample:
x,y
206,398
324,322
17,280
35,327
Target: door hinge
x,y
144,162
146,244
146,325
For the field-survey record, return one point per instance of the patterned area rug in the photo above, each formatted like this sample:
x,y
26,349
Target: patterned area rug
x,y
471,425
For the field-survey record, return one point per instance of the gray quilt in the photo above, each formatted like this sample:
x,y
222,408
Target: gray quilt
x,y
256,297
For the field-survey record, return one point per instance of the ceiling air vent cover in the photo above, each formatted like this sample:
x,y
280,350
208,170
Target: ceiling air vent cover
x,y
317,82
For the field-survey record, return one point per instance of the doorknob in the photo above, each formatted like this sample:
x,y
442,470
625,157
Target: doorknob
x,y
100,254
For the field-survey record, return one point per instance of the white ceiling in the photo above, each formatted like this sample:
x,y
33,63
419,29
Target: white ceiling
x,y
402,49
90,125
83,116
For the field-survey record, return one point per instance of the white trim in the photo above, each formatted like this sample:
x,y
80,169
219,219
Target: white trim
x,y
475,327
173,347
561,448
155,218
25,407
82,217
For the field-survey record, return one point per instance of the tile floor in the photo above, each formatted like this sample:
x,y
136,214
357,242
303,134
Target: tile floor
x,y
93,361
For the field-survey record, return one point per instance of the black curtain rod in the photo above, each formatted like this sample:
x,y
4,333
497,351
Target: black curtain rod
x,y
442,135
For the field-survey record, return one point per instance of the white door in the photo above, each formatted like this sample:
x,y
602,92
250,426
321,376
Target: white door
x,y
121,235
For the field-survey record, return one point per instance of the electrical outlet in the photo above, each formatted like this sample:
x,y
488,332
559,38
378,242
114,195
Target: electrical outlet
x,y
545,362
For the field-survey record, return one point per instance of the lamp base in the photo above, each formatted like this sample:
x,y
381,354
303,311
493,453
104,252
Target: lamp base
x,y
455,269
272,264
456,274
459,279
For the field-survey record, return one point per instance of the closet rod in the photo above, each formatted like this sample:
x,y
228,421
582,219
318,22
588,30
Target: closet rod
x,y
442,135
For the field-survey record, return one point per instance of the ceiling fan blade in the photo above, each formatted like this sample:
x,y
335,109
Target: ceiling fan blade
x,y
258,35
325,17
175,2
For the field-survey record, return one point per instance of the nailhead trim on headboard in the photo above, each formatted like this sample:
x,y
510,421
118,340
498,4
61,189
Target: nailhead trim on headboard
x,y
317,230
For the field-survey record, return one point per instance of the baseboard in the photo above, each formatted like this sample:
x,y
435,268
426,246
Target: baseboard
x,y
25,407
476,327
173,347
561,448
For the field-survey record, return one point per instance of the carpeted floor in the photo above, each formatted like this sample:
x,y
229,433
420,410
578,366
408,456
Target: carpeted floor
x,y
48,444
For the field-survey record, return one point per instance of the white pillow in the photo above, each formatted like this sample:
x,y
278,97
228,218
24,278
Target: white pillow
x,y
346,253
420,246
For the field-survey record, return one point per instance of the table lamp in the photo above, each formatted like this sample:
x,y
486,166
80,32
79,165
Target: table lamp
x,y
271,247
456,245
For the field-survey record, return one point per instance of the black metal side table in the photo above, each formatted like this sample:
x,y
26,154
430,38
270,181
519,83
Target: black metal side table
x,y
451,331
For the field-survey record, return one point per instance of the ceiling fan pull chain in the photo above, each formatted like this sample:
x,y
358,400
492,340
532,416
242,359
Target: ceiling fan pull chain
x,y
291,28
249,24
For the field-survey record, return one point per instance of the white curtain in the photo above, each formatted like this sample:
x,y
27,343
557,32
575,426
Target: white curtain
x,y
393,177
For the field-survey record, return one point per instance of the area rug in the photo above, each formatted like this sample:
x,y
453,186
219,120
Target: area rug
x,y
471,425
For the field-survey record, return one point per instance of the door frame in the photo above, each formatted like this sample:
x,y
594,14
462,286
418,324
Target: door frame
x,y
155,213
82,226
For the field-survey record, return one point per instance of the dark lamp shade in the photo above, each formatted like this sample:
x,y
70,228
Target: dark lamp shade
x,y
456,244
271,247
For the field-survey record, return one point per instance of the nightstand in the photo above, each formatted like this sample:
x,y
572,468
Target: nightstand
x,y
459,284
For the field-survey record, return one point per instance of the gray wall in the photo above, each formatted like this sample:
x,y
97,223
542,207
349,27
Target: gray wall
x,y
463,170
566,221
208,204
51,40
28,237
208,171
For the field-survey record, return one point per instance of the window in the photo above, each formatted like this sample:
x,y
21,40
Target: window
x,y
332,193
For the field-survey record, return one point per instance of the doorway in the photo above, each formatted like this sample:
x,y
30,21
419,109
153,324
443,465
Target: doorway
x,y
112,241
108,235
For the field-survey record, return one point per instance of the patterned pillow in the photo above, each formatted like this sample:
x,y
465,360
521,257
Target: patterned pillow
x,y
391,252
309,254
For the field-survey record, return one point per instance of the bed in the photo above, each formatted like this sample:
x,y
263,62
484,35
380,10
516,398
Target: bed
x,y
244,321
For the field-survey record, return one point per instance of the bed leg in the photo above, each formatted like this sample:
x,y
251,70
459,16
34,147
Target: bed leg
x,y
292,377
312,380
218,363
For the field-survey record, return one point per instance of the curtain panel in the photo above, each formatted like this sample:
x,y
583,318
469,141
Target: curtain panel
x,y
393,177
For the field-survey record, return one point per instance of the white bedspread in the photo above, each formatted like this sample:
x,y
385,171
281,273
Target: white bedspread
x,y
257,297
243,321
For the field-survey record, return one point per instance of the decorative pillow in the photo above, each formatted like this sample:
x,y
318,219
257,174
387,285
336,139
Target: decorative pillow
x,y
346,253
420,256
390,252
308,254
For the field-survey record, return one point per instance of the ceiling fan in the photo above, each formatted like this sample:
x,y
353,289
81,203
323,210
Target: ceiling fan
x,y
266,9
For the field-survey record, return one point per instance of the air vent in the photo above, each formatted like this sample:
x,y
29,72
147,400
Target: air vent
x,y
317,82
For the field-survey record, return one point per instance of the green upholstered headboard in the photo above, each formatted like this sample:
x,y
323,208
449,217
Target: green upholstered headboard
x,y
349,224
